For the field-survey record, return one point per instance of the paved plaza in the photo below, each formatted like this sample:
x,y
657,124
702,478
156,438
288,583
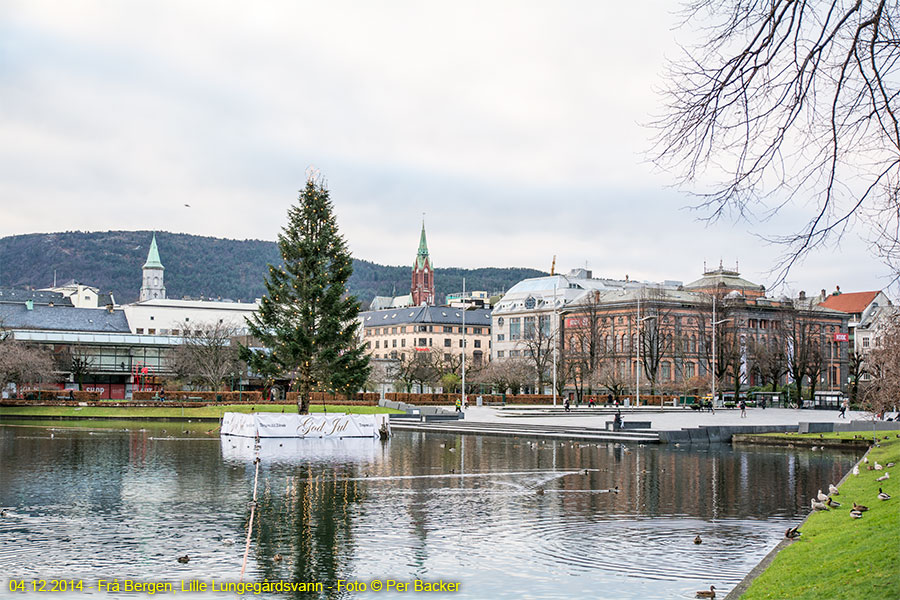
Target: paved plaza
x,y
664,420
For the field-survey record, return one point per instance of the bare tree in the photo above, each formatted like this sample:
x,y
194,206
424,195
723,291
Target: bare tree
x,y
207,356
769,360
537,348
23,364
856,367
787,100
882,363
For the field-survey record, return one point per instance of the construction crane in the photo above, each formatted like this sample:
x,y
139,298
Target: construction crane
x,y
553,266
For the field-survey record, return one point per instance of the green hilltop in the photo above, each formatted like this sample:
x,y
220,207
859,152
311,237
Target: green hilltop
x,y
198,266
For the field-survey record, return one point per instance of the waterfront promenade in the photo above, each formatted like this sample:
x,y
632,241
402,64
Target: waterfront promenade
x,y
650,424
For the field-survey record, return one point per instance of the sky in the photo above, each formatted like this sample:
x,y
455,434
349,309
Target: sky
x,y
517,130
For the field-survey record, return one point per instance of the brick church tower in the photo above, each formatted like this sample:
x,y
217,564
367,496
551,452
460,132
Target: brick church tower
x,y
423,275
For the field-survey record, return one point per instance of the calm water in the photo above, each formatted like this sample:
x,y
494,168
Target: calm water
x,y
505,517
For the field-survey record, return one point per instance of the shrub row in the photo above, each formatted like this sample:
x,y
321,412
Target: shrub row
x,y
191,396
52,395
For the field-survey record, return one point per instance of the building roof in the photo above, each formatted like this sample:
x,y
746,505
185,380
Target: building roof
x,y
724,279
153,256
852,302
197,304
36,296
62,318
385,302
437,315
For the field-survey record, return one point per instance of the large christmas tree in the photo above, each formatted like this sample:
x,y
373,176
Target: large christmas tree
x,y
306,321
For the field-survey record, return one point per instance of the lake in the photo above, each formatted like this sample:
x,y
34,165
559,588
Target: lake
x,y
498,517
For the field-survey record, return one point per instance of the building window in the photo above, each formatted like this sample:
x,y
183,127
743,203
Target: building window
x,y
500,337
447,329
394,354
151,331
377,342
403,343
529,327
175,332
447,342
666,371
477,330
446,357
151,317
478,343
544,325
423,342
394,343
515,328
865,342
368,345
513,353
460,343
139,330
689,370
499,353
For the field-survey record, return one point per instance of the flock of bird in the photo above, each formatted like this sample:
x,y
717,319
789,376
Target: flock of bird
x,y
824,502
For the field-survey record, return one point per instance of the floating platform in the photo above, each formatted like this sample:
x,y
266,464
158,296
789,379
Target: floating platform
x,y
282,425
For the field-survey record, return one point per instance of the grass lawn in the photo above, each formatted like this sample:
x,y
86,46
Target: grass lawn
x,y
838,557
176,411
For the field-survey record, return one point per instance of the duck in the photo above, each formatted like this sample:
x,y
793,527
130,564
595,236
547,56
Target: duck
x,y
866,459
856,469
698,540
821,497
833,490
883,477
860,507
278,558
882,495
793,533
710,594
832,504
184,559
818,505
228,542
889,465
855,514
878,467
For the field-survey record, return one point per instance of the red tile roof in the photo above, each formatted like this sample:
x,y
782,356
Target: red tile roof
x,y
852,302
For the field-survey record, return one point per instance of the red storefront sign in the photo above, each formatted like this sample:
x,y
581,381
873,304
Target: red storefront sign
x,y
842,337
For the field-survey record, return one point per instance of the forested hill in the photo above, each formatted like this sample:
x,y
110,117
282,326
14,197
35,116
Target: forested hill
x,y
199,266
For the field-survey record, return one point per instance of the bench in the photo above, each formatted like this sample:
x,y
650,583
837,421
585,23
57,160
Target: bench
x,y
631,425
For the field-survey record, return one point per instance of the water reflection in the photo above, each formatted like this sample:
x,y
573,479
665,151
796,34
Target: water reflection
x,y
506,517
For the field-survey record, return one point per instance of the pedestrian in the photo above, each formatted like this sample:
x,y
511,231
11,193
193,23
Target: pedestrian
x,y
743,405
762,402
591,402
162,395
844,405
566,404
459,405
609,399
617,421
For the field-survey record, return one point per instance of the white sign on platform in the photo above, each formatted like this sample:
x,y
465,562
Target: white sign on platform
x,y
281,425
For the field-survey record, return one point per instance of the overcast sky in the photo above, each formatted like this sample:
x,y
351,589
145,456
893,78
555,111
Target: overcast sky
x,y
518,128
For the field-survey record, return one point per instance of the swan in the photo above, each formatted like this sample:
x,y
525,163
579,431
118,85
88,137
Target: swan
x,y
821,497
878,467
817,505
856,469
882,495
710,594
883,477
833,490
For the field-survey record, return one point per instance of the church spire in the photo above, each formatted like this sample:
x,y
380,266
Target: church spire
x,y
153,287
423,274
153,256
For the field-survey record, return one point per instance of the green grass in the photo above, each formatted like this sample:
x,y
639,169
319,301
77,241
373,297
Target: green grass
x,y
844,435
840,558
175,412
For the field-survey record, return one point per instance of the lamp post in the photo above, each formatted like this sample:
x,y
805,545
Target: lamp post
x,y
555,341
463,398
637,353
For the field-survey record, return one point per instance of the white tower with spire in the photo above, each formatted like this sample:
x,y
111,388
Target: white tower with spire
x,y
153,287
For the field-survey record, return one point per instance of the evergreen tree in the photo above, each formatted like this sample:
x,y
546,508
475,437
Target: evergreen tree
x,y
306,320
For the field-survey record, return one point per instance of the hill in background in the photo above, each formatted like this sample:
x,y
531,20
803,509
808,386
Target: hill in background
x,y
198,266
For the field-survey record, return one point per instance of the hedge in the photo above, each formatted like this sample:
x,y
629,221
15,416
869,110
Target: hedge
x,y
191,396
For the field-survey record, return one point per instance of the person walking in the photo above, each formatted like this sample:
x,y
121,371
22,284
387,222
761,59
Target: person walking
x,y
844,406
743,405
566,404
459,405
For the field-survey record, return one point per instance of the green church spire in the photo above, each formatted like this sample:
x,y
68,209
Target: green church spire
x,y
422,256
153,256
